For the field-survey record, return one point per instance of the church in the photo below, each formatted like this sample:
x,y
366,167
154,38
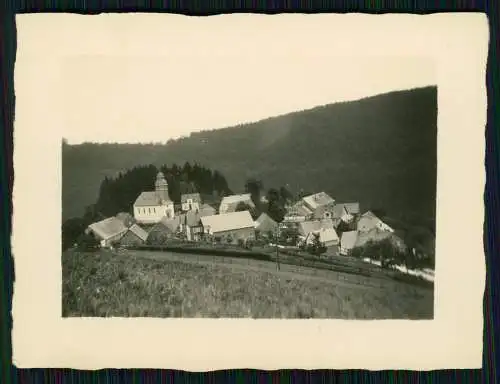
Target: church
x,y
151,206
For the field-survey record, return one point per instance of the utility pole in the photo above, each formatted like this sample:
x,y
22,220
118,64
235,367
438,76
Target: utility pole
x,y
277,248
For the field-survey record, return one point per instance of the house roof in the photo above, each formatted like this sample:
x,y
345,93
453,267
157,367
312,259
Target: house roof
x,y
139,232
374,234
235,199
194,196
126,218
298,209
326,235
228,221
318,199
307,227
338,211
265,221
369,214
170,223
148,199
108,228
348,239
352,208
207,210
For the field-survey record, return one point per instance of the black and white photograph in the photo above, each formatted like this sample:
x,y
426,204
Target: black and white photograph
x,y
200,183
324,211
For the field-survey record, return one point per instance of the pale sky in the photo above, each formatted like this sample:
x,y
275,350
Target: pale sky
x,y
154,99
124,82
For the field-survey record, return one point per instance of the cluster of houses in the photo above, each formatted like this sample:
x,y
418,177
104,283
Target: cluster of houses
x,y
156,219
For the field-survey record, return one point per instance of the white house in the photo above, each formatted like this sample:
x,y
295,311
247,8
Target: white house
x,y
317,200
229,203
151,206
230,227
191,202
369,221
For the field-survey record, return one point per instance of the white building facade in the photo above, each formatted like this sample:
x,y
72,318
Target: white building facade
x,y
151,206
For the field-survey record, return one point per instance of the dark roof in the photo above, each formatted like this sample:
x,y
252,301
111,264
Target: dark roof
x,y
171,224
265,223
139,232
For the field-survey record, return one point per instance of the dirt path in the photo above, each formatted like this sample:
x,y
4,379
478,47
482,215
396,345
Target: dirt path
x,y
286,271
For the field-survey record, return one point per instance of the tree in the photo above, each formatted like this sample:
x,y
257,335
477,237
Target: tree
x,y
275,205
254,187
317,247
285,194
345,227
87,242
242,206
72,229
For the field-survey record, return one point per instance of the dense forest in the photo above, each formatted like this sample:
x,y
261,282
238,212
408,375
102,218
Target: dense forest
x,y
380,151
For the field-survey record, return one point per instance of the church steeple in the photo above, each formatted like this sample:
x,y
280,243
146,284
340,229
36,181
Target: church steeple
x,y
161,187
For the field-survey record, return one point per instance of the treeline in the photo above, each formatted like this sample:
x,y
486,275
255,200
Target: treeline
x,y
118,194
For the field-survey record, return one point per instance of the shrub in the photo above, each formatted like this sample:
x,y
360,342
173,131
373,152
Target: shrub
x,y
88,242
249,244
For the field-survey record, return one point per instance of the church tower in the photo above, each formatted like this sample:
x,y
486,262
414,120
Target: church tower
x,y
161,187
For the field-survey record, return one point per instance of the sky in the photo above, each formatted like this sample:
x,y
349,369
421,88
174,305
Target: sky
x,y
150,82
155,99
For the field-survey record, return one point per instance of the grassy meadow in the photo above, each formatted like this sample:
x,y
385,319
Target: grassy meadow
x,y
144,285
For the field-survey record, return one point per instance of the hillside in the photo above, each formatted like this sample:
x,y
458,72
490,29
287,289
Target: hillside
x,y
380,151
142,284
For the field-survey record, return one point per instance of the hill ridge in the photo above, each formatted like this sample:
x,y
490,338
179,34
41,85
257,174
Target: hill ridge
x,y
380,150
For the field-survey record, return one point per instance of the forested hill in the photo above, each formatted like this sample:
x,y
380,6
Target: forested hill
x,y
380,151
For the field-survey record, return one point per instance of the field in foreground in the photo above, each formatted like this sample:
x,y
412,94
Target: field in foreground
x,y
142,285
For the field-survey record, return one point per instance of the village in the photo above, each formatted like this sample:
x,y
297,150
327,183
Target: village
x,y
316,222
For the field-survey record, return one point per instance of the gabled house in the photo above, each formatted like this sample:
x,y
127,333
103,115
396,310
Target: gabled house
x,y
307,227
348,241
164,230
265,224
107,231
229,203
190,225
328,237
376,235
346,212
369,221
134,236
191,202
229,227
317,200
207,210
297,213
151,206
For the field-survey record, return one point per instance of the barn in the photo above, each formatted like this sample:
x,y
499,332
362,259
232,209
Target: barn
x,y
229,227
